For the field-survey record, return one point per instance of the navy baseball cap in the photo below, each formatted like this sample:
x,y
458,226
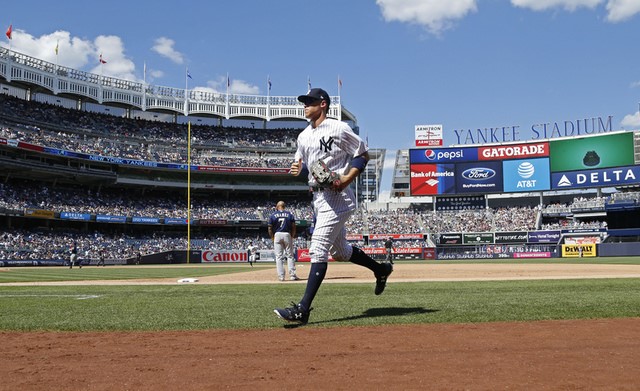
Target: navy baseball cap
x,y
315,94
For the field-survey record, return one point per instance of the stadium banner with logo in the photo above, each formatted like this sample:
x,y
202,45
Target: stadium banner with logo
x,y
513,151
110,219
584,153
215,256
460,203
605,177
526,175
213,222
450,238
511,237
75,216
443,155
175,221
479,177
478,238
145,220
578,250
543,236
432,179
40,213
428,135
397,236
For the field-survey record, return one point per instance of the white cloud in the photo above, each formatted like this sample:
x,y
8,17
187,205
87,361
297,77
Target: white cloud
x,y
118,65
434,15
164,47
569,5
617,10
621,10
631,121
72,52
77,53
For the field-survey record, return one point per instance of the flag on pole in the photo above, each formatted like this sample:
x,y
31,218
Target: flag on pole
x,y
339,81
308,83
9,31
102,61
228,81
269,83
57,45
189,74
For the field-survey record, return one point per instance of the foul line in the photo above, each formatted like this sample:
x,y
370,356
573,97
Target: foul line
x,y
77,297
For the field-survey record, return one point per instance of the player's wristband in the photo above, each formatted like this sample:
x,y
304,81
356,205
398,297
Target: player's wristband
x,y
304,171
359,162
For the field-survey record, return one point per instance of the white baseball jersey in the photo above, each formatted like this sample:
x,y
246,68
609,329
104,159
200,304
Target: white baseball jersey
x,y
336,144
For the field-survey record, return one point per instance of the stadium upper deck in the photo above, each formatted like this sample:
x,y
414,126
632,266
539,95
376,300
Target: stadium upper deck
x,y
28,72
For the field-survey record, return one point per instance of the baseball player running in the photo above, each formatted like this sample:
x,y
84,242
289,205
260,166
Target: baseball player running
x,y
332,156
282,230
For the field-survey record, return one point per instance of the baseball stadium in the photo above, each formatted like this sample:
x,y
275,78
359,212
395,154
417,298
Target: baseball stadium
x,y
126,211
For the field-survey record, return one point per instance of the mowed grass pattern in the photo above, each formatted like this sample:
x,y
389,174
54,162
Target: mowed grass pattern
x,y
196,307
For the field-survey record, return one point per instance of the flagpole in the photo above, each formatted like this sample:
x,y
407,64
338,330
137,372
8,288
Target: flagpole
x,y
189,191
268,97
228,107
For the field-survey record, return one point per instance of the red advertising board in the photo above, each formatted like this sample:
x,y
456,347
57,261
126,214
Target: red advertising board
x,y
513,151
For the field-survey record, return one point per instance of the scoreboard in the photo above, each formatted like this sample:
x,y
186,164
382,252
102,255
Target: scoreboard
x,y
584,162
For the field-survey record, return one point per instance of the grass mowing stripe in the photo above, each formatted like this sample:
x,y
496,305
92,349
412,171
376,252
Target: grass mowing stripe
x,y
41,274
193,307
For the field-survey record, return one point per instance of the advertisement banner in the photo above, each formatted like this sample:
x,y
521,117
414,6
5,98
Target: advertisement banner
x,y
75,216
175,221
450,238
544,236
526,175
396,236
461,203
515,151
611,150
212,222
428,135
110,219
511,237
39,213
533,254
479,177
578,250
605,177
443,155
432,179
478,238
355,237
145,220
214,256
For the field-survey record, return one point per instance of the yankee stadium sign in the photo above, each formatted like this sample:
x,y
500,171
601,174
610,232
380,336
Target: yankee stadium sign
x,y
506,134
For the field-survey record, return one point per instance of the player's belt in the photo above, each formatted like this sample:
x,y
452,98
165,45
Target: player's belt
x,y
313,189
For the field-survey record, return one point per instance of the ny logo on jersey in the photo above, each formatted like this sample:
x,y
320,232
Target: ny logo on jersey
x,y
325,145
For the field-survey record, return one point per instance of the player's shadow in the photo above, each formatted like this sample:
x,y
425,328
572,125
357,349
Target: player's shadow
x,y
375,313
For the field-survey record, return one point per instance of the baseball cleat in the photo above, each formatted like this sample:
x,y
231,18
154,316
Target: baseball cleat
x,y
295,313
294,278
381,280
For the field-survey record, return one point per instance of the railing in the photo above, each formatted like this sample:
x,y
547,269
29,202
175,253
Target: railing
x,y
15,66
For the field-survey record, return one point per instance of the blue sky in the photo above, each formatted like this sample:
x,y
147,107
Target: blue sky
x,y
465,64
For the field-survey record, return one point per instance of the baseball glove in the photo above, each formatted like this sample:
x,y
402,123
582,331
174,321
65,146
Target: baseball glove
x,y
324,177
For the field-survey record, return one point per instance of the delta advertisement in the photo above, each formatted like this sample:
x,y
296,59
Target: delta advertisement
x,y
584,162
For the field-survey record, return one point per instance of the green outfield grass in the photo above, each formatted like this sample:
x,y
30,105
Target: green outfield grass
x,y
195,307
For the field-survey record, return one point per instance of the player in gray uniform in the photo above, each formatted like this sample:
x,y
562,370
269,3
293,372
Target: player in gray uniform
x,y
282,230
346,154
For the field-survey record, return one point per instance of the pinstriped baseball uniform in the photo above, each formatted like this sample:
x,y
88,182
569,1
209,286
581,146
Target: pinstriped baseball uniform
x,y
335,143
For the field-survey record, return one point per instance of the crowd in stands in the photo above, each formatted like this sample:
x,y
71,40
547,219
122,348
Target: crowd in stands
x,y
108,135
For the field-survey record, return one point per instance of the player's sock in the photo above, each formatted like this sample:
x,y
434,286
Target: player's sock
x,y
316,275
360,258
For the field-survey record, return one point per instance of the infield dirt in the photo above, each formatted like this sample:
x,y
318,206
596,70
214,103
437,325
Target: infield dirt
x,y
550,355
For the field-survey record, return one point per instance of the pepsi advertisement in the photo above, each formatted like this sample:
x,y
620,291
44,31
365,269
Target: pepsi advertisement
x,y
526,175
443,155
479,177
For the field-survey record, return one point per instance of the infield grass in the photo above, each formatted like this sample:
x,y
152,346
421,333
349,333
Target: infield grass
x,y
195,307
